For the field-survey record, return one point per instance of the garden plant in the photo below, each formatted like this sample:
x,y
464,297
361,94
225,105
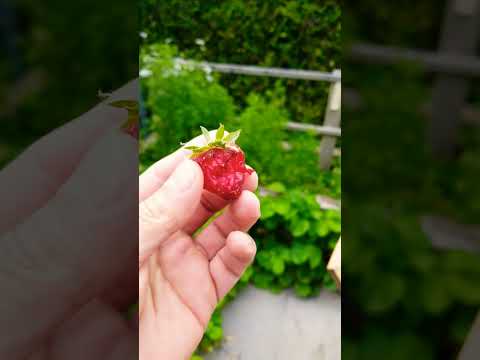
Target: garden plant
x,y
295,236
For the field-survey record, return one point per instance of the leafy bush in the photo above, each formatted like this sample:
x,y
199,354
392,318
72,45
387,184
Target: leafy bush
x,y
295,240
273,151
424,299
179,99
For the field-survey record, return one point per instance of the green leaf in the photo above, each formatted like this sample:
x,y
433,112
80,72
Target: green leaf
x,y
278,265
191,147
281,207
262,280
220,132
277,187
275,289
285,253
315,258
321,229
133,116
335,226
302,290
299,254
285,280
329,282
206,134
383,298
300,227
267,209
263,259
199,150
217,144
304,275
317,215
130,105
434,295
215,333
247,274
463,287
232,137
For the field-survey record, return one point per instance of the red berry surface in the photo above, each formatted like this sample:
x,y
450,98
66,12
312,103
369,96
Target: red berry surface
x,y
224,171
132,130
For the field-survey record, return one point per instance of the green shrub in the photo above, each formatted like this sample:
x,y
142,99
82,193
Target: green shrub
x,y
179,99
286,33
402,284
295,239
274,151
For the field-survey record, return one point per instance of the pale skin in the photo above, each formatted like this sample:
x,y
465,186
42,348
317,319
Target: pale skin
x,y
68,247
68,242
182,279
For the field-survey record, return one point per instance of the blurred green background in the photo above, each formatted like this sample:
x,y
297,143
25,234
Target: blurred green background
x,y
54,58
402,298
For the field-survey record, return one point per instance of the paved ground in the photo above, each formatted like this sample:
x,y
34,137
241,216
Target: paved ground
x,y
262,326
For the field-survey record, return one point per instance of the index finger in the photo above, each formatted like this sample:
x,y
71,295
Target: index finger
x,y
155,176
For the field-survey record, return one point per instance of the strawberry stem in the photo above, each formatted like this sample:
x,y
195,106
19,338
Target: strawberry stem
x,y
221,140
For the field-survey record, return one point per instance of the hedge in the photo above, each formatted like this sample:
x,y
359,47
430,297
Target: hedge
x,y
286,33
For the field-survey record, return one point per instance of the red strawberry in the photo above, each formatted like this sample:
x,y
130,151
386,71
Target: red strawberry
x,y
222,163
131,129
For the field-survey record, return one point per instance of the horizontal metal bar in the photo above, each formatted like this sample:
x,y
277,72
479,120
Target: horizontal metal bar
x,y
320,130
274,72
444,62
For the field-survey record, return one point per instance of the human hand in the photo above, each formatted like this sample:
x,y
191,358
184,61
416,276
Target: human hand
x,y
182,278
68,248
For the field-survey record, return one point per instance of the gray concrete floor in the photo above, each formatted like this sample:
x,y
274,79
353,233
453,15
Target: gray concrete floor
x,y
259,325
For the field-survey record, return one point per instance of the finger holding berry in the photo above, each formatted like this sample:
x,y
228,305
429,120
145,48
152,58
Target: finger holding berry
x,y
184,268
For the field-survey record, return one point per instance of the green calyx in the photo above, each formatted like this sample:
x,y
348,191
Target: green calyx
x,y
130,105
133,114
221,140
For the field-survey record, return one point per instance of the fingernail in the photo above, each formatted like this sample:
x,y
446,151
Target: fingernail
x,y
184,176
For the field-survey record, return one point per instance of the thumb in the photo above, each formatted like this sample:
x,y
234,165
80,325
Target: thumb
x,y
169,208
